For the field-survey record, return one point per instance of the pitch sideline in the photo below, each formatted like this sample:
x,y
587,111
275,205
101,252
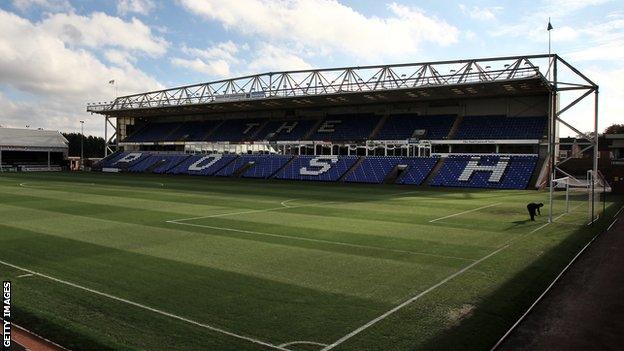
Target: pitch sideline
x,y
148,308
425,292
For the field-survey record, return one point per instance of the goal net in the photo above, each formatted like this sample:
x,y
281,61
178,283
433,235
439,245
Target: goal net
x,y
578,200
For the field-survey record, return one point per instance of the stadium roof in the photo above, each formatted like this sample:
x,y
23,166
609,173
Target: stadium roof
x,y
485,77
31,140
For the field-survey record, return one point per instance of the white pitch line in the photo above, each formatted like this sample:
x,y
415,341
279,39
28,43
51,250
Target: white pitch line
x,y
25,275
396,308
409,301
539,298
26,185
461,213
249,211
618,212
540,227
302,342
555,219
283,203
612,223
340,243
152,309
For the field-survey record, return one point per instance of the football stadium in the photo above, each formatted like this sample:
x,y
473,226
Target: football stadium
x,y
355,208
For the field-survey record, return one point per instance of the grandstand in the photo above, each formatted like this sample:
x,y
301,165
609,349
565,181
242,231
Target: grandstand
x,y
486,123
32,150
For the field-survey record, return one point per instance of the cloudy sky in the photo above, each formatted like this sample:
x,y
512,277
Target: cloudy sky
x,y
57,55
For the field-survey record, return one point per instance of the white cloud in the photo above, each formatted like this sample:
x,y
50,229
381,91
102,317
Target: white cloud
x,y
326,26
100,29
214,61
216,68
480,13
223,51
46,5
54,78
273,58
217,61
119,57
142,7
611,93
561,8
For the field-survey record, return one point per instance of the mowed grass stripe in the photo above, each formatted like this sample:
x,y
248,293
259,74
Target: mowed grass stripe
x,y
157,219
169,241
231,299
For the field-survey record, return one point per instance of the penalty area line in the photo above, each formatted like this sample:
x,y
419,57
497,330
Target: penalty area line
x,y
464,212
425,292
148,308
412,299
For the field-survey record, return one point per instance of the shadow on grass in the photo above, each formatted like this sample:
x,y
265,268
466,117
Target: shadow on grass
x,y
497,312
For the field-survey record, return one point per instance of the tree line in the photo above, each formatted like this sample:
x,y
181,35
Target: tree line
x,y
93,146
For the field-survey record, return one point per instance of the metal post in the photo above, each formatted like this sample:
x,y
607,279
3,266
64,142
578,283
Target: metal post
x,y
81,145
49,161
552,136
105,136
568,195
595,165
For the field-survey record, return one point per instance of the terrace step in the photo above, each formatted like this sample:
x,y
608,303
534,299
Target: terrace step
x,y
312,130
455,127
394,175
353,168
287,164
239,172
210,132
434,171
378,127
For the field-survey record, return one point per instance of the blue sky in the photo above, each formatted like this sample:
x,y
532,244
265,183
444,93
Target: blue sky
x,y
57,55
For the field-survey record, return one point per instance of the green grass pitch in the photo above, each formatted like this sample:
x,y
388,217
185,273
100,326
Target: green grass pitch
x,y
129,262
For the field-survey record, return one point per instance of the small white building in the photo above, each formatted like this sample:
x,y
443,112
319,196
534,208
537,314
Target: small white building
x,y
32,149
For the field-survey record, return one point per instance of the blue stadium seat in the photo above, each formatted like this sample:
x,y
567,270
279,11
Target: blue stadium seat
x,y
418,169
203,164
501,127
111,159
401,127
236,130
286,130
168,162
192,131
321,168
129,159
345,127
373,169
153,132
513,172
263,165
266,165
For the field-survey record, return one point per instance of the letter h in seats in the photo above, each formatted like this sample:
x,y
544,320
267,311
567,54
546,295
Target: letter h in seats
x,y
496,170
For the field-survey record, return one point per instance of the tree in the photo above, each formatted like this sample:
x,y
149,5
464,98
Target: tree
x,y
615,129
93,146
